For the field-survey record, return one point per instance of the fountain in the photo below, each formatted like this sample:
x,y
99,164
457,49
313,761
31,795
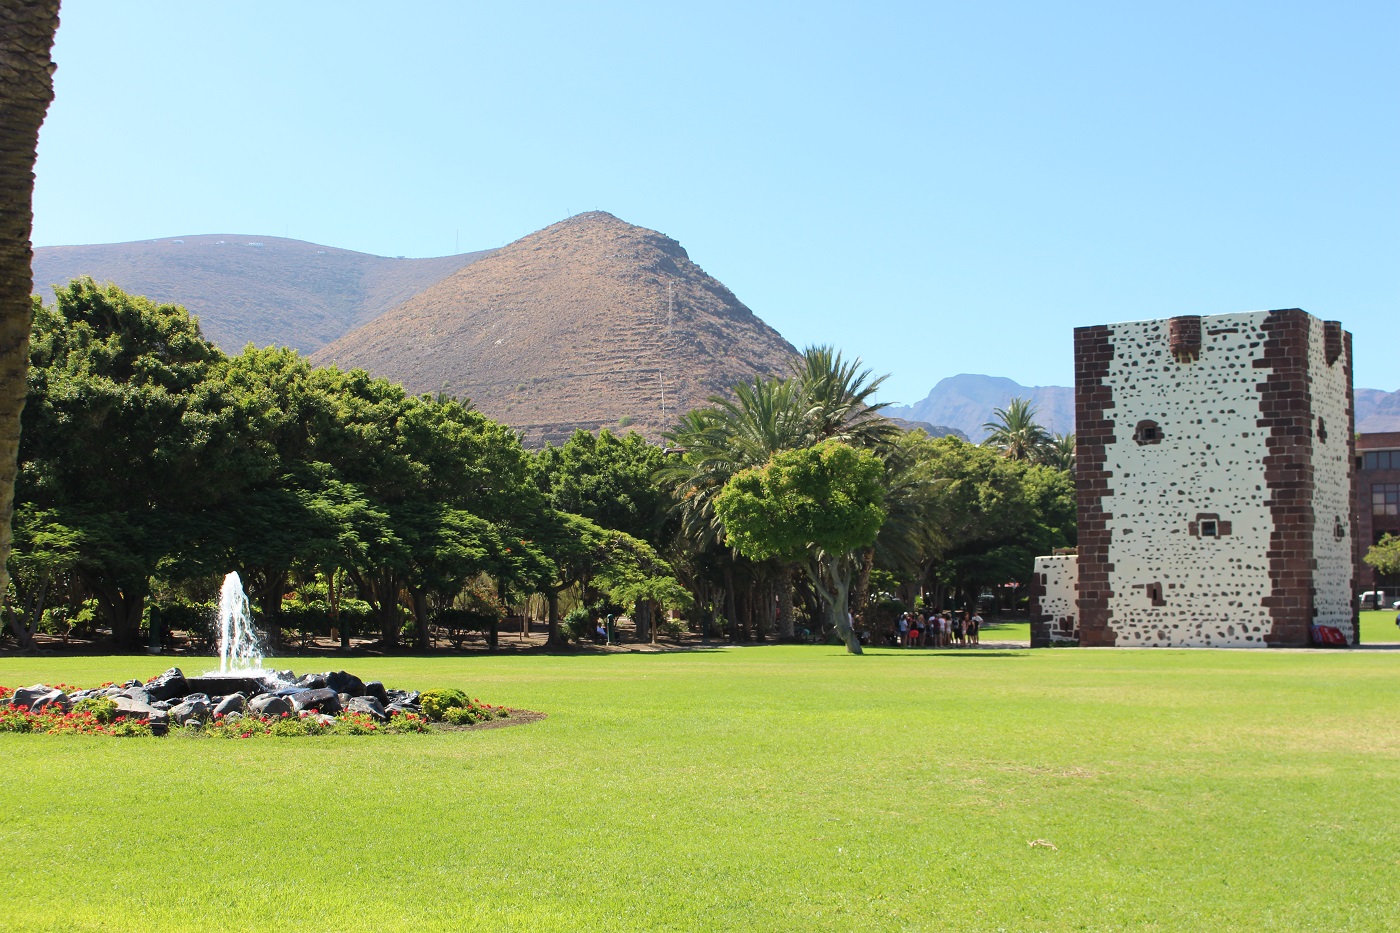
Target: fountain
x,y
240,654
238,640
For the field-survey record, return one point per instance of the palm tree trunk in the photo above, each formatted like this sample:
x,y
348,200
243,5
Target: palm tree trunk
x,y
27,29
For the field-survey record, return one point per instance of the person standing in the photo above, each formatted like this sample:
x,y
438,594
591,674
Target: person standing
x,y
904,630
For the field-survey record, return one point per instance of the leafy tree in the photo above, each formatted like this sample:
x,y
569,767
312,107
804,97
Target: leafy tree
x,y
1058,453
131,440
815,507
45,550
608,479
26,90
1015,432
1385,555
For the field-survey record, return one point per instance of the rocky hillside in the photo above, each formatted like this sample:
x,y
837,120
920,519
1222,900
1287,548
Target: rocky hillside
x,y
587,323
260,290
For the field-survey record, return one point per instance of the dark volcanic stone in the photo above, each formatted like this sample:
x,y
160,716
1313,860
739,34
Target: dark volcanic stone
x,y
367,705
231,704
290,691
168,686
269,704
375,689
198,710
162,705
197,698
133,683
24,697
402,707
323,700
312,681
342,682
138,694
54,698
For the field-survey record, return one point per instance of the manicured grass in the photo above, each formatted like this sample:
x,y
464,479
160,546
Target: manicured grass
x,y
1379,626
772,788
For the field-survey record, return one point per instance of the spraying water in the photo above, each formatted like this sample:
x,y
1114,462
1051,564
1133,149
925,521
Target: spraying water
x,y
238,641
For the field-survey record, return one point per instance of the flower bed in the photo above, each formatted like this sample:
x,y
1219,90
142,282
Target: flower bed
x,y
62,709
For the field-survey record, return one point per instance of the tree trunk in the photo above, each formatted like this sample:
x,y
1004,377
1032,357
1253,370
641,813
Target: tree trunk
x,y
835,595
861,600
786,611
27,29
420,617
556,638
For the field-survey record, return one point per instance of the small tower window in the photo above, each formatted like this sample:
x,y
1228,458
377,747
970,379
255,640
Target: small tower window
x,y
1210,529
1147,432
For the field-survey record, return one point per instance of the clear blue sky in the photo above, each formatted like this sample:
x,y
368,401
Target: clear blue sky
x,y
935,187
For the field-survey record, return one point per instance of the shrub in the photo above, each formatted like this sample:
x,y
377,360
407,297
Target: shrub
x,y
103,709
437,702
14,720
355,724
578,624
407,722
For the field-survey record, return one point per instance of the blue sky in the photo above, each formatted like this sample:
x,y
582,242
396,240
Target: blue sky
x,y
937,188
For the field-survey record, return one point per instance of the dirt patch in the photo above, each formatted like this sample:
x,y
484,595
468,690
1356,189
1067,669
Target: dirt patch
x,y
516,717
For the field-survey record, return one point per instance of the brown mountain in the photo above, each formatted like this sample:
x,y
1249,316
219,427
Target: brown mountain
x,y
263,290
587,323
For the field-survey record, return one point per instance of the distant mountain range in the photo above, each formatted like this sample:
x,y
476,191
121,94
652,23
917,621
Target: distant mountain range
x,y
966,402
587,323
252,289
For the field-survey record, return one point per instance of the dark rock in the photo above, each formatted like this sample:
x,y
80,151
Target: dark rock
x,y
285,677
312,681
159,728
138,694
24,697
368,705
182,714
404,708
234,703
221,685
197,698
375,689
290,691
162,705
344,699
341,682
136,709
270,705
323,700
133,683
168,686
56,699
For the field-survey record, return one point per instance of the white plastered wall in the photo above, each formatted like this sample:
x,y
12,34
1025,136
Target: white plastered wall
x,y
1060,576
1210,460
1332,498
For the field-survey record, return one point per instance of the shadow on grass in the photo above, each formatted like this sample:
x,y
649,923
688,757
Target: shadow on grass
x,y
968,653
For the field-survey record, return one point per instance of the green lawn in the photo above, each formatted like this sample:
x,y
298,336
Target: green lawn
x,y
1379,626
772,788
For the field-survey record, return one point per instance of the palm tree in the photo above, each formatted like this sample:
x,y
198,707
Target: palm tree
x,y
27,30
837,400
1058,452
1014,431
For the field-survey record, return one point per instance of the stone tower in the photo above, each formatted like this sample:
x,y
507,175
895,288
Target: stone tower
x,y
1215,472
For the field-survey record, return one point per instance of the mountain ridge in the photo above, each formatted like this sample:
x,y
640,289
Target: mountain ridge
x,y
250,289
587,323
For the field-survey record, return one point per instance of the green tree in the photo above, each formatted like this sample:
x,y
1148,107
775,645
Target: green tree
x,y
1015,432
1385,555
608,479
131,440
815,507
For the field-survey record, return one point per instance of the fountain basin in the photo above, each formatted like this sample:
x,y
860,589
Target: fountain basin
x,y
248,683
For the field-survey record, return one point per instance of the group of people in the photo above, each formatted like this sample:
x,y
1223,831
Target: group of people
x,y
939,629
